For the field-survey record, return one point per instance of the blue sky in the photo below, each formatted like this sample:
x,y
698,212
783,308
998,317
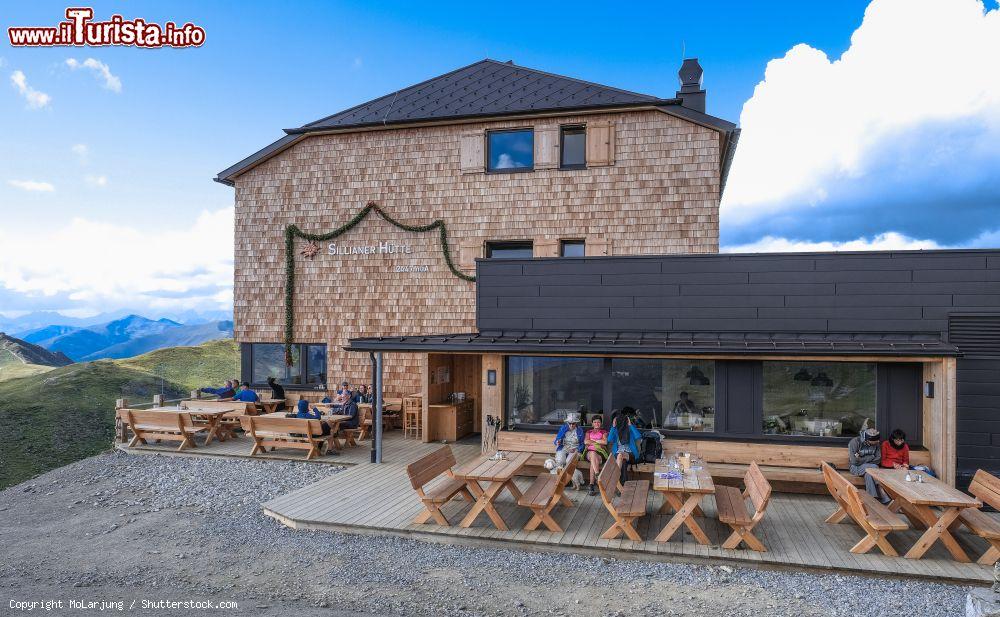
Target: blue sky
x,y
93,164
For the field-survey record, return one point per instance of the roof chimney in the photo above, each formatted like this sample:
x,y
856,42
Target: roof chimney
x,y
691,94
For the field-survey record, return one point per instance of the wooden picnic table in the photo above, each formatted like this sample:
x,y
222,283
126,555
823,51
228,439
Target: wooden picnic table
x,y
332,420
917,501
211,417
270,405
683,495
500,475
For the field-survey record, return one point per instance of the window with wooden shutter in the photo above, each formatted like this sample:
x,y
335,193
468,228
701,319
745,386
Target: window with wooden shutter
x,y
597,246
600,144
546,147
473,159
547,247
468,251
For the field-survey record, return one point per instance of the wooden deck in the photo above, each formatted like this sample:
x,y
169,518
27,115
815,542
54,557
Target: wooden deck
x,y
381,501
378,499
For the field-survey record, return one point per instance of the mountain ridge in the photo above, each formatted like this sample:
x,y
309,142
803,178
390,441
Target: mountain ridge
x,y
17,350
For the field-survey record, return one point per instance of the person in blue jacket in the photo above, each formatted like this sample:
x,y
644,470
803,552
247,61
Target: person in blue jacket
x,y
245,394
302,412
624,441
225,391
569,439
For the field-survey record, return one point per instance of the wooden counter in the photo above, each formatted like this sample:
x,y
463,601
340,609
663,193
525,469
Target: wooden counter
x,y
450,421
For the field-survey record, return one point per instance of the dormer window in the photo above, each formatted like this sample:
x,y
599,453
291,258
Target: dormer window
x,y
510,151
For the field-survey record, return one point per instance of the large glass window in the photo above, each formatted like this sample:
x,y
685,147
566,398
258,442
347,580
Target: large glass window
x,y
818,399
675,395
573,150
509,250
511,150
308,364
541,391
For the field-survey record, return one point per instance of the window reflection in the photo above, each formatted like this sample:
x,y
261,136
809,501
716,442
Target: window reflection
x,y
818,399
670,394
511,150
541,391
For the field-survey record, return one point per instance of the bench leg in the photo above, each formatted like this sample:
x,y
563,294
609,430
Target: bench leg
x,y
622,525
136,439
872,540
744,535
991,555
566,501
432,511
837,516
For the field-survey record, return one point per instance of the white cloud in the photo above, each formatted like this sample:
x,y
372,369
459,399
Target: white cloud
x,y
35,99
81,151
32,186
902,132
891,241
96,181
102,266
101,71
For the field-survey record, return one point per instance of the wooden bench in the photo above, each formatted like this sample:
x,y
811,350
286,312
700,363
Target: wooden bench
x,y
985,487
545,493
874,518
732,506
626,502
161,425
423,472
296,433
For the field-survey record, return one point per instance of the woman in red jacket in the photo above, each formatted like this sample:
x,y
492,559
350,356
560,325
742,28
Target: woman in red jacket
x,y
896,454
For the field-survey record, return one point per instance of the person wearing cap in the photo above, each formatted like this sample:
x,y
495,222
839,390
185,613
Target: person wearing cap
x,y
569,439
344,394
864,453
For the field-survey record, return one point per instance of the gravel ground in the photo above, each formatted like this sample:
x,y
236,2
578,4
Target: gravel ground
x,y
134,528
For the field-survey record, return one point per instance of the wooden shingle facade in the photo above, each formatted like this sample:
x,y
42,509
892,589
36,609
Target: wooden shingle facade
x,y
652,185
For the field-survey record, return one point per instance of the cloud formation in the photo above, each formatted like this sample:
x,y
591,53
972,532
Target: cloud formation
x,y
99,266
81,151
100,70
32,186
896,140
96,181
34,98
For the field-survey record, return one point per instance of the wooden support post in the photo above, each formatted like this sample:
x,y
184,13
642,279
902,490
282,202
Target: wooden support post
x,y
157,400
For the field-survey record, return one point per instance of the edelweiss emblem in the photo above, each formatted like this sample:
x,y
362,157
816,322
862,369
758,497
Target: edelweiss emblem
x,y
310,250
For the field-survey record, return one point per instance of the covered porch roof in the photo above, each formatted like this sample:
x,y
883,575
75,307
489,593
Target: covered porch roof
x,y
666,343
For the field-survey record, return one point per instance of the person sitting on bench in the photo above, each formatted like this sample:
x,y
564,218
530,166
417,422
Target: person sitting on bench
x,y
245,394
863,454
350,408
302,412
896,454
624,439
226,391
569,440
596,441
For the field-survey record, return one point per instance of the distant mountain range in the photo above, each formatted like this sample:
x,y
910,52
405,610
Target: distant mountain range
x,y
41,319
123,337
14,350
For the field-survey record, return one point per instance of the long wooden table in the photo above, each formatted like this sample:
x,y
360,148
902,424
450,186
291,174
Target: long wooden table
x,y
684,496
500,475
917,501
211,417
270,405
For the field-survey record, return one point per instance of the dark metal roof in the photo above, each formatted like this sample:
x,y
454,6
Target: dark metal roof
x,y
484,88
665,343
487,88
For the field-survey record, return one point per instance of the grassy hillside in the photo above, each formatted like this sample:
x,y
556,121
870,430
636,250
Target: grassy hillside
x,y
65,414
192,367
13,370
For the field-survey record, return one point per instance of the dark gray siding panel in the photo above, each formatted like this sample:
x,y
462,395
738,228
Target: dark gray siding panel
x,y
896,292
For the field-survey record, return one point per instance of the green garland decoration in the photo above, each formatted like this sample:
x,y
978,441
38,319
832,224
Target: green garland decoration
x,y
292,232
